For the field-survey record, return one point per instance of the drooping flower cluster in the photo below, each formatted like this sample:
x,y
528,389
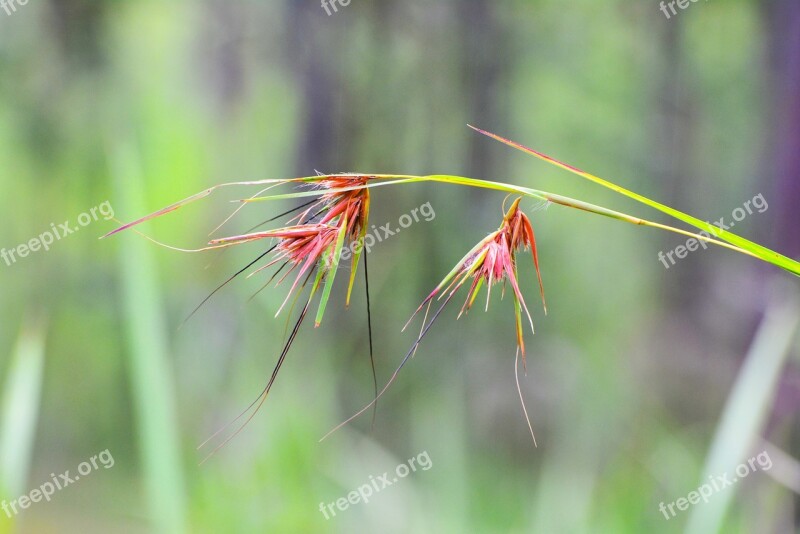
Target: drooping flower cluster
x,y
493,260
316,238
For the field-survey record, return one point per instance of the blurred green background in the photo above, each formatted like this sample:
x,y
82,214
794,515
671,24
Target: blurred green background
x,y
642,381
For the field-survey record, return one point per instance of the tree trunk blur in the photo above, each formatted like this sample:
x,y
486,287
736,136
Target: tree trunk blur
x,y
783,155
784,150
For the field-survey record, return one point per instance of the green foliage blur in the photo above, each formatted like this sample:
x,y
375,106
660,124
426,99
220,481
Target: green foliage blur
x,y
140,104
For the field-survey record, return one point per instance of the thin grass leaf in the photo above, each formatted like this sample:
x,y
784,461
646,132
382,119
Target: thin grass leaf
x,y
394,179
151,377
200,195
330,272
758,250
401,179
525,191
748,405
357,254
20,408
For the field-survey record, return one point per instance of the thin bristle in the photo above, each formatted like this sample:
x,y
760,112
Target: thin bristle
x,y
521,399
371,356
394,375
226,282
266,390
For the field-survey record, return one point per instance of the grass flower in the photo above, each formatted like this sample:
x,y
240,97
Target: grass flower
x,y
307,246
312,246
491,261
338,213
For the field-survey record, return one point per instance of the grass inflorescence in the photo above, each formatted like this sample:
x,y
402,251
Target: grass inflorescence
x,y
309,246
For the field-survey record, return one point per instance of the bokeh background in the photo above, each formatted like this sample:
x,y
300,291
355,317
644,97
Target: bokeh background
x,y
642,381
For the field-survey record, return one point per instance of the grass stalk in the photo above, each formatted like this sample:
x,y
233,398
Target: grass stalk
x,y
151,377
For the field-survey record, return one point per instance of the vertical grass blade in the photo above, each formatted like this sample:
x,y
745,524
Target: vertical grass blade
x,y
20,409
151,377
747,406
336,252
357,255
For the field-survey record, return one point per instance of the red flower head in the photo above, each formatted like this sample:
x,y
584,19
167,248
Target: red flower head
x,y
340,215
353,204
304,245
493,260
